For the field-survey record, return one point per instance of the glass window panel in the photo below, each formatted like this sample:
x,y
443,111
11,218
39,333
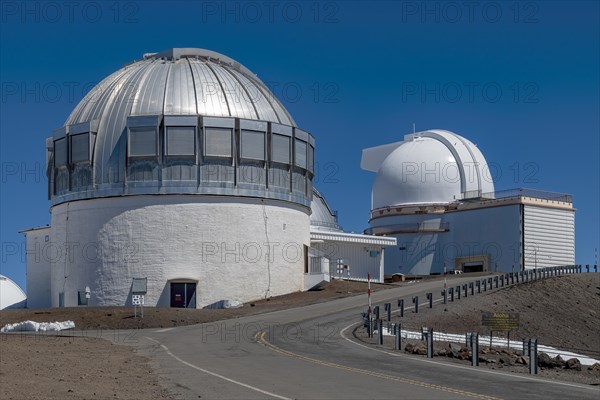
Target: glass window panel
x,y
281,149
80,147
253,145
180,141
217,142
300,153
60,152
142,142
311,158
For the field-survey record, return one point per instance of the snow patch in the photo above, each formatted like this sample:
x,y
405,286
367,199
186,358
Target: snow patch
x,y
496,342
32,326
221,304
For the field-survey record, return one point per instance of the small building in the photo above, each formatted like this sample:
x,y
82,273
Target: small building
x,y
342,254
435,194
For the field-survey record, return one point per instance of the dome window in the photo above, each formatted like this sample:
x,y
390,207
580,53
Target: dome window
x,y
80,148
280,149
60,152
181,141
253,145
217,142
142,142
300,154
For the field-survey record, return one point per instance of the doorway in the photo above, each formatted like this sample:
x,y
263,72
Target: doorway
x,y
183,295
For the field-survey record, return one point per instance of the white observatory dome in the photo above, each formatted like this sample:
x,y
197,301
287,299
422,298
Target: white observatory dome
x,y
429,167
11,295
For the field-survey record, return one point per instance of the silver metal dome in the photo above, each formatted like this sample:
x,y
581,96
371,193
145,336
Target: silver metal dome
x,y
323,218
185,81
183,121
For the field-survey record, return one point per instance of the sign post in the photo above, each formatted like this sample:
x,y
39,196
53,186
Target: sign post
x,y
139,288
503,322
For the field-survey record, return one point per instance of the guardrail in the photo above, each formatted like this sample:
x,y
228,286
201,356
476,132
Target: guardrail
x,y
374,321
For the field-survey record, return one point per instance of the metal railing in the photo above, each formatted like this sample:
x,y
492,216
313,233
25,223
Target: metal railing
x,y
408,227
518,192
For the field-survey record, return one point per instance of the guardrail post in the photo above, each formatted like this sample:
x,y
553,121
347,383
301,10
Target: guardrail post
x,y
379,332
475,349
430,298
465,288
484,285
401,307
376,312
451,294
533,357
478,282
502,281
416,303
595,268
472,287
519,274
587,267
490,283
445,295
525,348
430,343
512,278
496,281
398,332
388,310
457,290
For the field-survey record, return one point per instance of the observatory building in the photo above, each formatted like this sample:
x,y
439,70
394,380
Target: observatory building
x,y
434,193
181,177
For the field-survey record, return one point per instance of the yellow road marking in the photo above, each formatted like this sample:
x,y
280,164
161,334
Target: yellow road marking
x,y
260,337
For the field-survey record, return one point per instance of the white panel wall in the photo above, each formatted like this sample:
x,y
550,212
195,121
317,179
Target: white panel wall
x,y
549,237
495,231
358,257
40,251
222,243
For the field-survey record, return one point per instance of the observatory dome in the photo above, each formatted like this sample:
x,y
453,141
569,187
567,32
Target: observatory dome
x,y
322,217
11,295
182,121
430,167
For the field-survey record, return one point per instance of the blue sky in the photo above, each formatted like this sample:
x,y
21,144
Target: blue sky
x,y
519,79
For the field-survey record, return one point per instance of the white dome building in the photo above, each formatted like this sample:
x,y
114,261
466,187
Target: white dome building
x,y
181,171
11,295
435,194
431,167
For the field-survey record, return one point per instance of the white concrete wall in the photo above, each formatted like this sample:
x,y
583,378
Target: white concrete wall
x,y
39,252
221,242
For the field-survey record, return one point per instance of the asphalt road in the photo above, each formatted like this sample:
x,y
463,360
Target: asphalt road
x,y
309,353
